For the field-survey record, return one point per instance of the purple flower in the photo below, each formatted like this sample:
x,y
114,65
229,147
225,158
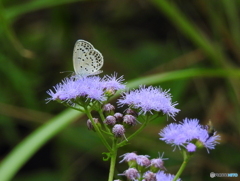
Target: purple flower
x,y
108,107
112,82
149,176
143,160
149,99
86,88
129,157
118,130
165,176
158,163
188,131
110,120
71,88
129,120
131,174
191,147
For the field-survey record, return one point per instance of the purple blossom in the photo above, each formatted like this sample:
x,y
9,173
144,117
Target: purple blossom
x,y
112,82
191,147
118,130
129,157
160,176
143,160
158,162
131,174
89,88
188,131
149,99
149,176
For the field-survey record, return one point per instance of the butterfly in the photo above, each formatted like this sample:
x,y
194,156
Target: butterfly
x,y
86,59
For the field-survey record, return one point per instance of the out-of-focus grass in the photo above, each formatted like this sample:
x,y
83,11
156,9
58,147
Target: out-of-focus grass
x,y
190,48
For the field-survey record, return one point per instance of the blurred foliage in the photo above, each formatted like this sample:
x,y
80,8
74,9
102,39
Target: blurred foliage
x,y
137,38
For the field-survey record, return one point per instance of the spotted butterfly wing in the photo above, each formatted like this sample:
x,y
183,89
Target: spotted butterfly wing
x,y
86,59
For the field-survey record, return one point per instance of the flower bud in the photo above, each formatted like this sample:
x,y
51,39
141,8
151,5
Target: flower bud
x,y
129,120
90,126
149,176
119,117
108,107
130,158
156,164
110,120
191,147
132,112
131,174
142,160
118,130
110,92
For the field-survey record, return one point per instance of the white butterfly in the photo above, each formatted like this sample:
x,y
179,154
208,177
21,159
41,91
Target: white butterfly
x,y
86,59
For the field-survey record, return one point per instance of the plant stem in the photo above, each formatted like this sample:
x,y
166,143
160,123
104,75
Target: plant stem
x,y
186,158
134,134
113,160
97,130
103,118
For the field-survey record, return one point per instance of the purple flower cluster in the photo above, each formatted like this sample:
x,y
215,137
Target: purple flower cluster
x,y
165,176
134,175
141,166
187,134
149,99
89,88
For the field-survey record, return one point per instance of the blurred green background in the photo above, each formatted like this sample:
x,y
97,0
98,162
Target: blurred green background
x,y
195,44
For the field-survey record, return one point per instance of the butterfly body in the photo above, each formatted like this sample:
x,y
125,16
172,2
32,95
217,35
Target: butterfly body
x,y
86,59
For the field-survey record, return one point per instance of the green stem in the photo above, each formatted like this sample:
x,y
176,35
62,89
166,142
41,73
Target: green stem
x,y
103,118
77,109
186,158
134,134
97,130
113,160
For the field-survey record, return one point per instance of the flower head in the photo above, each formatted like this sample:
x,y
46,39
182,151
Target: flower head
x,y
112,82
108,107
119,117
110,120
143,160
149,176
86,88
129,157
129,120
188,131
149,99
165,176
71,88
118,130
191,147
131,173
157,163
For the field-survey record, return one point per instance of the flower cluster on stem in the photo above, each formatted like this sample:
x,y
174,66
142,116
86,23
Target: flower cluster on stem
x,y
143,105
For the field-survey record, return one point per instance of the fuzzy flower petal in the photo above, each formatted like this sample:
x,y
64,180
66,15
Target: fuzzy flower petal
x,y
112,82
129,157
149,99
160,176
72,88
188,131
131,174
89,88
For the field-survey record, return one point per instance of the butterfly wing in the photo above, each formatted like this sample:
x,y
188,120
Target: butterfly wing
x,y
81,47
91,62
